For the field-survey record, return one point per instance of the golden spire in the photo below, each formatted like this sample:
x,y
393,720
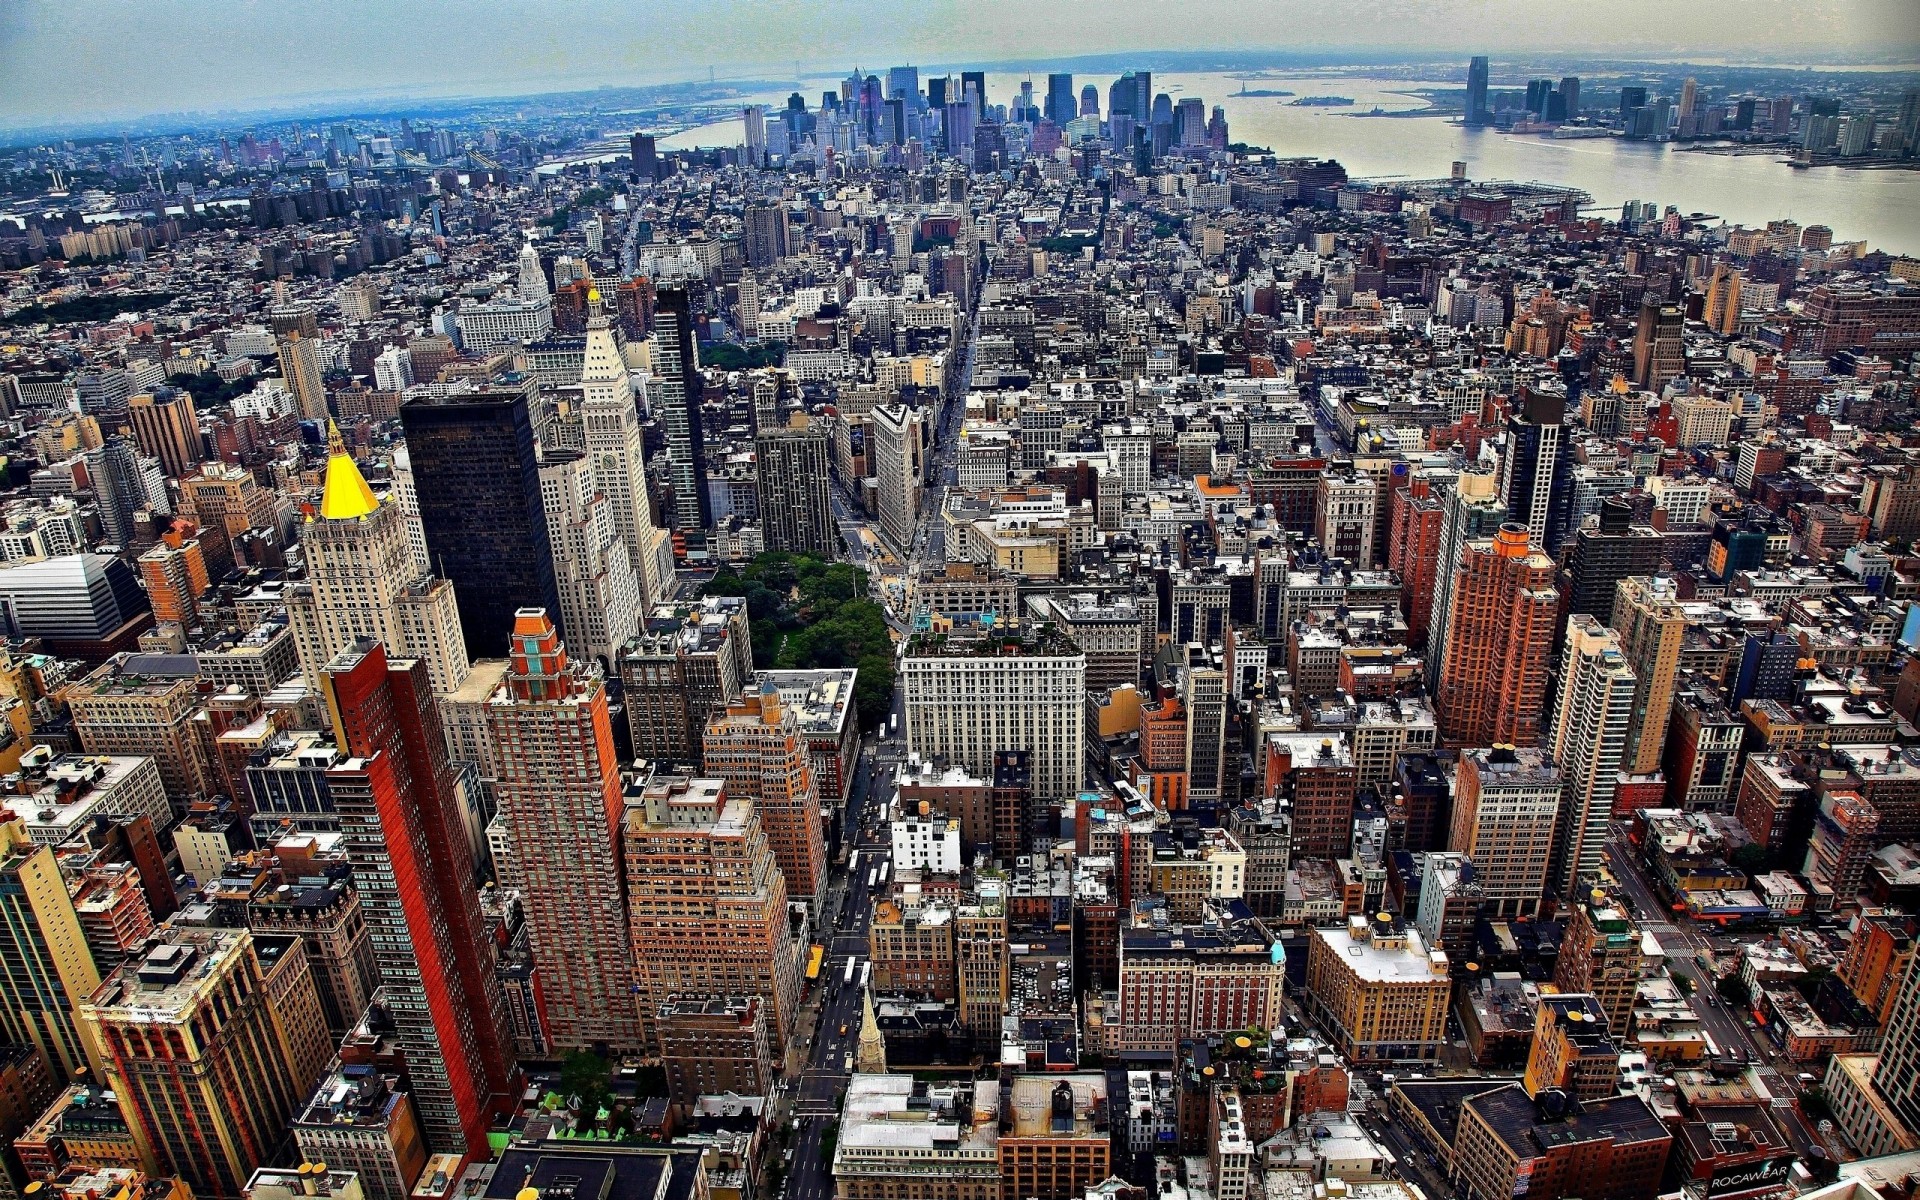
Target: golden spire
x,y
346,495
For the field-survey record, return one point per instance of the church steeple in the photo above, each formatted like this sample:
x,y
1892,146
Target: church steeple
x,y
871,1058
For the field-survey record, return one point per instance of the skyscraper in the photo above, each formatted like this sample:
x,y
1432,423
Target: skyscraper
x,y
362,582
46,968
167,428
764,234
708,901
1493,679
1652,628
1535,483
402,819
206,1055
1570,96
1723,300
300,368
118,489
754,118
976,83
1591,715
599,598
560,802
897,430
1608,548
756,747
1472,510
1658,353
1061,106
1027,694
1477,113
477,475
610,421
796,506
646,163
677,377
1506,806
532,281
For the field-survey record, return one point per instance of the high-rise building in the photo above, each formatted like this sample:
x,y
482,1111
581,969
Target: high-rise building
x,y
897,432
610,421
1570,97
1344,512
1652,628
477,475
1591,715
757,748
1723,300
1380,991
1060,101
1506,806
175,573
646,160
686,663
167,428
559,795
677,378
363,582
707,901
796,504
1477,112
1499,646
206,1053
361,1120
1601,954
971,695
533,284
103,394
1535,476
764,234
1658,352
141,704
714,1043
753,119
980,963
119,491
300,368
402,817
46,967
599,598
1606,550
1470,512
1897,1076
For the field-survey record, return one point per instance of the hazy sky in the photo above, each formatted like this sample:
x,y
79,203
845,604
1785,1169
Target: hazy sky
x,y
72,60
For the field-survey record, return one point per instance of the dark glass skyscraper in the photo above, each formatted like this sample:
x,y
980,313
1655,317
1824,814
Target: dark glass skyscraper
x,y
677,378
1061,106
1477,113
478,479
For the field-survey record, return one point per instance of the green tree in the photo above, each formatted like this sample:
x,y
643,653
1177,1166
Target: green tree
x,y
1733,990
806,613
586,1075
1750,858
829,1138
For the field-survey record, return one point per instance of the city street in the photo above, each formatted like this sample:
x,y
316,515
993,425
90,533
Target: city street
x,y
1684,943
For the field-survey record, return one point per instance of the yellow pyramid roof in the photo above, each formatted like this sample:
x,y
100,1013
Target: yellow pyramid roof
x,y
346,495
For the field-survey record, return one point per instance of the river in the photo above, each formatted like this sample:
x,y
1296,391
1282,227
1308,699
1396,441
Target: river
x,y
1880,207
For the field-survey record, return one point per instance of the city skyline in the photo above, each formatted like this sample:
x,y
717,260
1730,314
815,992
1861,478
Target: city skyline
x,y
496,48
